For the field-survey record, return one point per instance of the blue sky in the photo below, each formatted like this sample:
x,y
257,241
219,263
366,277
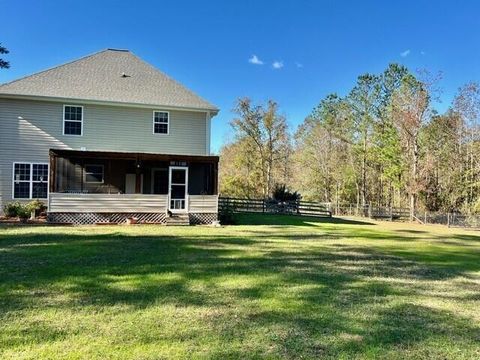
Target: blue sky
x,y
318,47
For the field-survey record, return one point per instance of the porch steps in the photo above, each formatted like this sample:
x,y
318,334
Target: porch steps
x,y
178,220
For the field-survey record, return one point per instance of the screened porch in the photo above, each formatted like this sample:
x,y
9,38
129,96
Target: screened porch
x,y
86,181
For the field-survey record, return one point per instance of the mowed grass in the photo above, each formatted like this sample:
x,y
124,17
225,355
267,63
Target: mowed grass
x,y
275,287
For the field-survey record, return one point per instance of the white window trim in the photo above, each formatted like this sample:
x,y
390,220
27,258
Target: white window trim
x,y
170,184
31,181
80,121
93,182
168,122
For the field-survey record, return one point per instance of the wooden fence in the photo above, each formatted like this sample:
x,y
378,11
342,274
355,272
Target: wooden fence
x,y
305,208
310,208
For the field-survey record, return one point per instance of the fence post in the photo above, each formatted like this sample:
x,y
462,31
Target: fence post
x,y
425,217
263,205
448,219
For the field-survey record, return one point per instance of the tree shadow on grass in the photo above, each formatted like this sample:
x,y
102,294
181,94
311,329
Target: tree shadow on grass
x,y
315,287
406,325
37,259
410,231
292,220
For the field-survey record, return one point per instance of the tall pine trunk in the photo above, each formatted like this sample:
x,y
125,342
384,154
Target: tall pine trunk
x,y
414,186
364,175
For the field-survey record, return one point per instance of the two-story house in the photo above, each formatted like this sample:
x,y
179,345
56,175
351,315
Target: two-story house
x,y
105,138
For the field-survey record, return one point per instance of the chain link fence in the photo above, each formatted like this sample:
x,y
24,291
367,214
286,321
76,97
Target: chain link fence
x,y
453,219
450,219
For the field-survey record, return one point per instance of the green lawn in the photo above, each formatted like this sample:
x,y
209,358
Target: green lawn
x,y
274,287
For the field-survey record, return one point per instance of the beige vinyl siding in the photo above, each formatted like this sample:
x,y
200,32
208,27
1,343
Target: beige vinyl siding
x,y
203,203
107,203
29,128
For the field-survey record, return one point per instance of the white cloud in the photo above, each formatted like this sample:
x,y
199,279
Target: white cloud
x,y
405,53
277,64
255,60
299,65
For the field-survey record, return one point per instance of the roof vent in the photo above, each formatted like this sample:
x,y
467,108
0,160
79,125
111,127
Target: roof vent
x,y
125,75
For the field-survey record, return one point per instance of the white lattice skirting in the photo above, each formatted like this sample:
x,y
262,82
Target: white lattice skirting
x,y
202,218
94,218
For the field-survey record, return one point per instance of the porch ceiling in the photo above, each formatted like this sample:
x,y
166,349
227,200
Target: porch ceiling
x,y
131,156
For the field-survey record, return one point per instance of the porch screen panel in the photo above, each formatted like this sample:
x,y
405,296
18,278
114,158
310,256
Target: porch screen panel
x,y
160,181
200,179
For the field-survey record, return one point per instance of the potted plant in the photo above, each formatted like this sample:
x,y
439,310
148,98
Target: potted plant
x,y
36,208
132,220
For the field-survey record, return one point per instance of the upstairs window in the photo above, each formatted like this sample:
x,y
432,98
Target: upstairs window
x,y
72,120
94,174
30,181
160,122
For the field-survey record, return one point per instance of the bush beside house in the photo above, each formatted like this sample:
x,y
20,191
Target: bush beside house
x,y
23,211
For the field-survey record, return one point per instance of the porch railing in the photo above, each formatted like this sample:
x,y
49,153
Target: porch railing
x,y
107,203
126,203
203,203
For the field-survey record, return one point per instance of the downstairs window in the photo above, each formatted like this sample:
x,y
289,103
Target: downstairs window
x,y
30,181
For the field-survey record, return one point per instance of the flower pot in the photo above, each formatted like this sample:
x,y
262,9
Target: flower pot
x,y
132,221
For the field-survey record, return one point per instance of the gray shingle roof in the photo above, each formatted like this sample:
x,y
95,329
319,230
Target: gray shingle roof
x,y
98,77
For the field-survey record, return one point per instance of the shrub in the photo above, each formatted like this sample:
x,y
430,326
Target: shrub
x,y
226,214
24,211
282,194
476,207
283,200
11,209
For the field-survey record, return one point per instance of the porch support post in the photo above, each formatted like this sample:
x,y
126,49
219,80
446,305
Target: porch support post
x,y
215,178
82,166
53,173
109,176
138,177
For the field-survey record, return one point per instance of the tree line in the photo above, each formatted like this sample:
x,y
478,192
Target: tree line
x,y
382,144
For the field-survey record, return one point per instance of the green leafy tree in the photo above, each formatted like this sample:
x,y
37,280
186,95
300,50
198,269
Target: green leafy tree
x,y
322,151
364,100
387,152
239,171
442,165
410,112
467,105
267,131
